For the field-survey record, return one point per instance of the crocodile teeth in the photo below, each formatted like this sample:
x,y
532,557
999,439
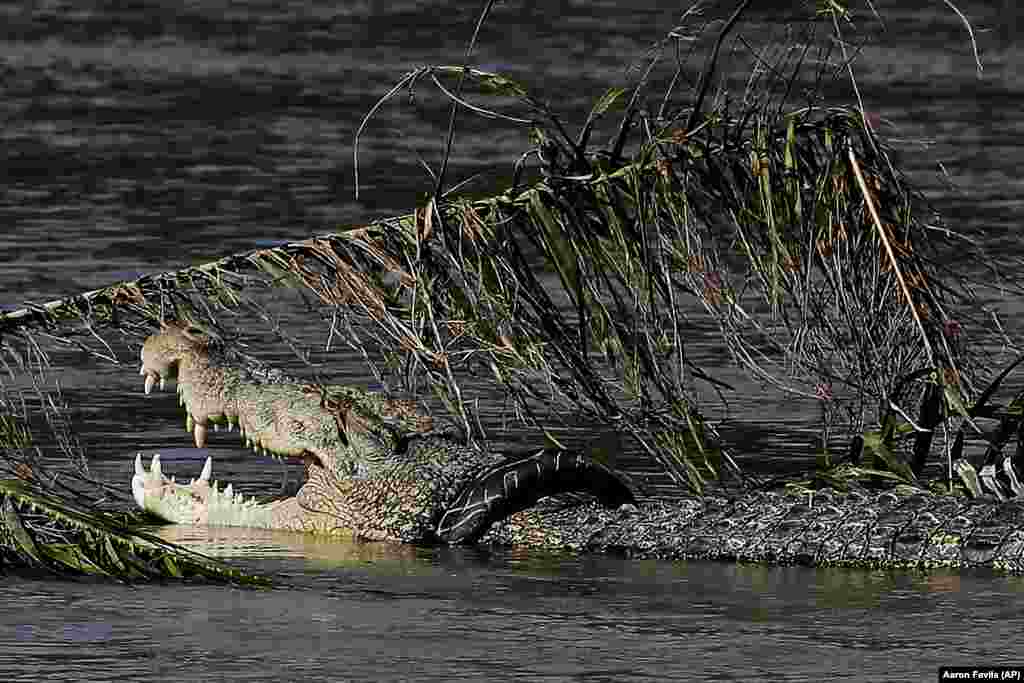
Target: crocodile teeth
x,y
216,426
154,467
228,492
142,370
199,434
139,482
150,381
207,470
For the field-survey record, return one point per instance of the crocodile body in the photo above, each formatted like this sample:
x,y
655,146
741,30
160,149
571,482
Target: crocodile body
x,y
908,528
378,470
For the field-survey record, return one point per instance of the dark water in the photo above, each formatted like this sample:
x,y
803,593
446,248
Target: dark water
x,y
143,136
446,615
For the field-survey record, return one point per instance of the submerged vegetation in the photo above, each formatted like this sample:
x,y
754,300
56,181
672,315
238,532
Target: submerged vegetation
x,y
779,218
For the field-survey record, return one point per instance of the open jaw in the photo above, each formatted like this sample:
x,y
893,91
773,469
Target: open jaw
x,y
204,501
283,420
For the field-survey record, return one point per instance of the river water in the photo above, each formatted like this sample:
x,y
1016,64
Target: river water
x,y
144,136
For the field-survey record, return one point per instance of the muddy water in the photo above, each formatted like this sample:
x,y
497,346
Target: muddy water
x,y
145,136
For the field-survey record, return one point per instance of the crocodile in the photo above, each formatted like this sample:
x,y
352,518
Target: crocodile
x,y
377,469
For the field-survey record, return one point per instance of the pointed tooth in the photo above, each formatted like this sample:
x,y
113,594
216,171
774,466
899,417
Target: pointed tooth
x,y
154,467
139,482
207,469
199,434
142,370
228,492
161,384
216,426
150,381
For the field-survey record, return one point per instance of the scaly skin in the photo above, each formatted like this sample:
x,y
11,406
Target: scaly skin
x,y
376,470
903,528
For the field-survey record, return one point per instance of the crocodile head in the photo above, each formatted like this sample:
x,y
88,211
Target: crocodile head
x,y
342,434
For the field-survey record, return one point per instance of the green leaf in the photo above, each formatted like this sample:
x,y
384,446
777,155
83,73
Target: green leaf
x,y
25,543
874,443
558,249
606,101
74,558
490,82
171,566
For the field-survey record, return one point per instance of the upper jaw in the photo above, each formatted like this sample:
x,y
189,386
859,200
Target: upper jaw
x,y
199,428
